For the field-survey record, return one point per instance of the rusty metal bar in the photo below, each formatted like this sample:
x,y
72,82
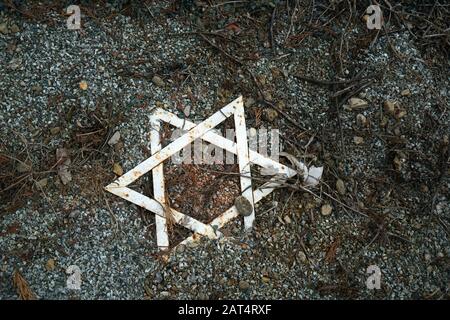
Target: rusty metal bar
x,y
162,237
244,162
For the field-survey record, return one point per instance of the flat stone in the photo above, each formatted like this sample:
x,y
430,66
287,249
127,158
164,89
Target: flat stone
x,y
405,93
302,257
114,139
357,103
340,186
244,285
22,167
326,209
358,140
55,130
15,28
361,120
158,81
243,206
4,28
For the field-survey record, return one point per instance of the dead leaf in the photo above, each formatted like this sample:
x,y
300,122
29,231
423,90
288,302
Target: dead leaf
x,y
50,265
23,289
117,169
233,27
114,139
62,156
331,253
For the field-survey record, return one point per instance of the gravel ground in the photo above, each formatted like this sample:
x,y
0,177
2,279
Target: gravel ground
x,y
396,176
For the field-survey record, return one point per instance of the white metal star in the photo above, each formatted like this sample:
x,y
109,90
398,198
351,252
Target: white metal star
x,y
159,206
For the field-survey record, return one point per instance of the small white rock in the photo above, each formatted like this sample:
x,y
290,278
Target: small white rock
x,y
114,139
357,103
326,209
358,140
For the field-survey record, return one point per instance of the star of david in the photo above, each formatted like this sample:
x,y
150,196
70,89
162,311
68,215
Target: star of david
x,y
203,130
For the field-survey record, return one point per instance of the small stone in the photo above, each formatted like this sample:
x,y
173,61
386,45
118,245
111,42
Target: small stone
x,y
270,114
50,265
158,81
42,183
114,139
243,206
326,209
340,186
74,214
265,279
4,28
389,107
287,220
181,248
158,278
302,257
54,131
22,167
249,102
427,257
361,120
358,140
117,169
165,294
37,88
244,285
15,28
357,103
405,93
